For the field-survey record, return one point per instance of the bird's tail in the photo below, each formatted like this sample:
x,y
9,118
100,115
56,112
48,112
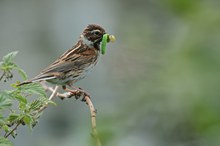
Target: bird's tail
x,y
25,82
39,78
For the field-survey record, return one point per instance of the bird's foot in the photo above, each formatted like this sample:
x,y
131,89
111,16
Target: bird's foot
x,y
77,92
82,93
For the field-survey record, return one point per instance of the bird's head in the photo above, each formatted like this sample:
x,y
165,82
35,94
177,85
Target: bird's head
x,y
92,34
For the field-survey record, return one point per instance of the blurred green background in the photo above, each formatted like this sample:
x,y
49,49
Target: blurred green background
x,y
158,85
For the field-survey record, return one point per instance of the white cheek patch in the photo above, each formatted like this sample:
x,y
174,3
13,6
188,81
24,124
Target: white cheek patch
x,y
86,41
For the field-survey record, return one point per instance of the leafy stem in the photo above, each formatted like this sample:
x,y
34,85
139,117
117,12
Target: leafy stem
x,y
7,134
1,77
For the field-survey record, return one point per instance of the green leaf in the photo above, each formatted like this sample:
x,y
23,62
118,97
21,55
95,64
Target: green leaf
x,y
8,58
21,98
27,119
8,66
51,102
22,106
13,117
33,88
2,121
38,103
5,101
6,128
5,142
21,72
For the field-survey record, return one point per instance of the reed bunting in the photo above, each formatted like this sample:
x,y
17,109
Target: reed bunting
x,y
76,62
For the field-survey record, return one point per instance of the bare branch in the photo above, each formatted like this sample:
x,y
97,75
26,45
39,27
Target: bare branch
x,y
61,95
92,109
93,120
88,101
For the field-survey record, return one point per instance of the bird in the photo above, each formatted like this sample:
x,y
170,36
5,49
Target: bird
x,y
74,64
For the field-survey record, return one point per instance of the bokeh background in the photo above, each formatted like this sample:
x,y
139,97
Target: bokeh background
x,y
158,85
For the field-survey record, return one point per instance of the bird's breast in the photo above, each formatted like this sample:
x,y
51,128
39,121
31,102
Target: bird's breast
x,y
86,65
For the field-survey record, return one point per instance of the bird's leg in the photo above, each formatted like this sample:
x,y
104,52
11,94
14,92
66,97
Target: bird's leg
x,y
75,93
85,93
81,90
78,91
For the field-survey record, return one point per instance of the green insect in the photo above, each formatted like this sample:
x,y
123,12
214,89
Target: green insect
x,y
105,39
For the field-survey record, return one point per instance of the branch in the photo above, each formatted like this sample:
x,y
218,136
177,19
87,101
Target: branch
x,y
93,120
54,93
61,95
3,74
9,133
88,101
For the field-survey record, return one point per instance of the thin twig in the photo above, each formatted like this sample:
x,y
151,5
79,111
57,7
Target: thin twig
x,y
7,135
91,108
93,120
2,76
54,93
61,95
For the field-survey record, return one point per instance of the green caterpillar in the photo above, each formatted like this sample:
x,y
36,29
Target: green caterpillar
x,y
105,39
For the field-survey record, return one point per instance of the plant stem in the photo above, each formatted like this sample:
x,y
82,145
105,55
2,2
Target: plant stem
x,y
93,120
2,75
7,134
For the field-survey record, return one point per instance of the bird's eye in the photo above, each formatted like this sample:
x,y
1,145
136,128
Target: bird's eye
x,y
97,32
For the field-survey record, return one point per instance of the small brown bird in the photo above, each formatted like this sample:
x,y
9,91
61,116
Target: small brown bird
x,y
76,62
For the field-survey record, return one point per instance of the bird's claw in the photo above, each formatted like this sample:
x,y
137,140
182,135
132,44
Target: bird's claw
x,y
77,93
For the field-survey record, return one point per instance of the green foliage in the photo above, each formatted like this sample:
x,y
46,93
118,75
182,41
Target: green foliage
x,y
5,142
5,101
33,88
7,65
27,112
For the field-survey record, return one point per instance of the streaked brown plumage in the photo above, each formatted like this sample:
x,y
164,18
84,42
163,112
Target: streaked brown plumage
x,y
75,63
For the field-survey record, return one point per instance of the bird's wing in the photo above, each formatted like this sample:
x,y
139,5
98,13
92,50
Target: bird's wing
x,y
61,67
57,68
77,58
56,71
